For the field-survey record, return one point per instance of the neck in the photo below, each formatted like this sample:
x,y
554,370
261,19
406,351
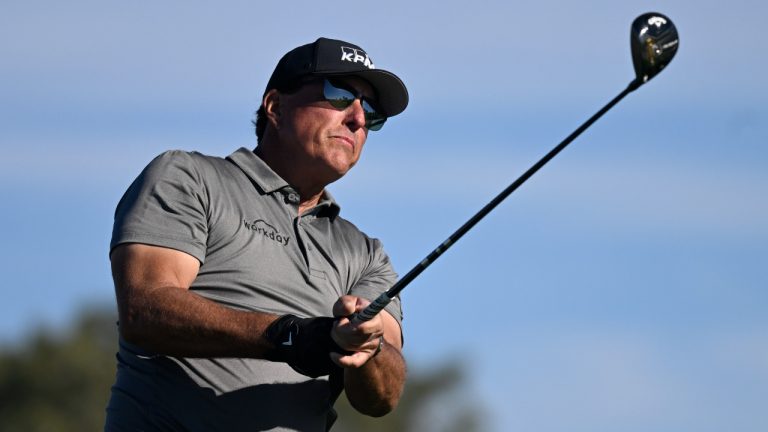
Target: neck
x,y
306,204
310,190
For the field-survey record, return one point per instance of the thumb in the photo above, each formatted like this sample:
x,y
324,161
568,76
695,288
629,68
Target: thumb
x,y
344,306
361,304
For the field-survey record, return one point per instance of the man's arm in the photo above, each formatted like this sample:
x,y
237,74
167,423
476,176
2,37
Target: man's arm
x,y
157,311
373,381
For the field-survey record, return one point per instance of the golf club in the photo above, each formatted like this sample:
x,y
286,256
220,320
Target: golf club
x,y
654,42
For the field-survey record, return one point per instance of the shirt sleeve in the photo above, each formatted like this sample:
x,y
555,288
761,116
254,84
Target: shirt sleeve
x,y
378,277
165,206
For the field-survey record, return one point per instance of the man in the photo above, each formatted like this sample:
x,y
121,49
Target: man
x,y
235,277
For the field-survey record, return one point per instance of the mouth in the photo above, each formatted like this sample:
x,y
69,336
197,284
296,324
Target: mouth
x,y
346,140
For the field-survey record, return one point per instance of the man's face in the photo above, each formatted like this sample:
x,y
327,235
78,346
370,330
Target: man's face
x,y
323,141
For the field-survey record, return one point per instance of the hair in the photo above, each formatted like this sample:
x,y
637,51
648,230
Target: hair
x,y
260,123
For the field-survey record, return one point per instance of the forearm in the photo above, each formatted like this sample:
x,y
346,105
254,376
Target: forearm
x,y
159,313
375,388
175,321
373,380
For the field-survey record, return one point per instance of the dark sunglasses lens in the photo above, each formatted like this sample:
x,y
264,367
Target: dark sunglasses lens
x,y
341,98
373,120
375,125
338,97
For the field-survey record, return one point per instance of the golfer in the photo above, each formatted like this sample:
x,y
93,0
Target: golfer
x,y
235,277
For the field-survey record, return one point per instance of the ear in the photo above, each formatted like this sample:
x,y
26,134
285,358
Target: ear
x,y
272,108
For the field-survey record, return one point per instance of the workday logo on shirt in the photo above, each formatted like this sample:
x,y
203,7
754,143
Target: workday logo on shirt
x,y
259,226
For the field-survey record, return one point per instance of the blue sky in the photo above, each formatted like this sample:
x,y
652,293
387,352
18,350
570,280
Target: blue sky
x,y
623,288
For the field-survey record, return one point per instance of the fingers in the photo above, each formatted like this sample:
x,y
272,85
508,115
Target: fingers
x,y
354,360
360,340
358,358
352,336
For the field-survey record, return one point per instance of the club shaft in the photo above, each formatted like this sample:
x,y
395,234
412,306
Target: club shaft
x,y
383,300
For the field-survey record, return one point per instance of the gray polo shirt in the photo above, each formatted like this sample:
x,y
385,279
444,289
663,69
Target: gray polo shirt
x,y
240,220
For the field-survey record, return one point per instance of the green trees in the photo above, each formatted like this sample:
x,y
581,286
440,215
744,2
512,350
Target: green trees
x,y
59,382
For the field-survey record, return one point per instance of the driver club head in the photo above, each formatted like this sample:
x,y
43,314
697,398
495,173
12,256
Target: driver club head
x,y
654,42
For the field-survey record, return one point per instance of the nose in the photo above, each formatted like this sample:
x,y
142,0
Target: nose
x,y
355,115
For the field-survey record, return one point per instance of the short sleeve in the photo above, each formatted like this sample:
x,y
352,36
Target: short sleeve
x,y
165,206
378,277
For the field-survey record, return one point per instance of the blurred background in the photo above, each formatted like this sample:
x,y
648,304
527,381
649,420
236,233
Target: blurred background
x,y
623,288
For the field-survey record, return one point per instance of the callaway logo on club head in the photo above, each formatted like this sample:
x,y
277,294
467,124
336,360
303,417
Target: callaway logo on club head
x,y
656,21
355,55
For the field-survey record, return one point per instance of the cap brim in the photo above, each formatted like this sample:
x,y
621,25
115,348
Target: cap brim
x,y
390,90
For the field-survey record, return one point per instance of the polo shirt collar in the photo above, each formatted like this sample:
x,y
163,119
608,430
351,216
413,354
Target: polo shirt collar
x,y
257,170
328,205
267,180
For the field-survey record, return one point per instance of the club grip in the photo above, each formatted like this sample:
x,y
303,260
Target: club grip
x,y
372,310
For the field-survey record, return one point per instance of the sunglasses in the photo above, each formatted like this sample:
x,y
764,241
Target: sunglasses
x,y
341,96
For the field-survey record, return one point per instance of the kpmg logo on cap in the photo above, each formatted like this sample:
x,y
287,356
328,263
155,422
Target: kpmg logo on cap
x,y
355,55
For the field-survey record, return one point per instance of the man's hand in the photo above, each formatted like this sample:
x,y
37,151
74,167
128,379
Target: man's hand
x,y
374,368
316,346
303,343
362,341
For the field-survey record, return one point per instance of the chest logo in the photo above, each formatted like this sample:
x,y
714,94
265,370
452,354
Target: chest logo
x,y
259,226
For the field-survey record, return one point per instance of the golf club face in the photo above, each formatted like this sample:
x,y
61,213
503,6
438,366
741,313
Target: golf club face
x,y
654,42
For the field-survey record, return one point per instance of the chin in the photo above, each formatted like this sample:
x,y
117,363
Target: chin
x,y
341,167
337,174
